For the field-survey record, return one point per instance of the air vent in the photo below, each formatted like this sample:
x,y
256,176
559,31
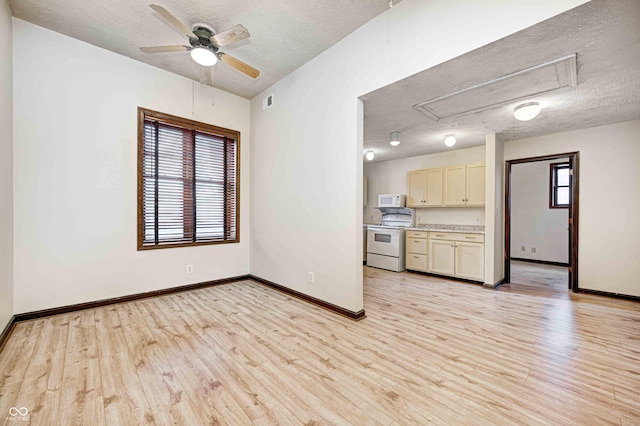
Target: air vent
x,y
520,85
267,102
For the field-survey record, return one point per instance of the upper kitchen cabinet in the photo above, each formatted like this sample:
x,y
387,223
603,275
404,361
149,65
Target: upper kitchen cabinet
x,y
464,185
424,188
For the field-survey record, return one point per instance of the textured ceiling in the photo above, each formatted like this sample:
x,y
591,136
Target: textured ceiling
x,y
605,35
285,34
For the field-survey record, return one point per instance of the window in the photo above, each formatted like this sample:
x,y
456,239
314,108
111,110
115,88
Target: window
x,y
188,177
559,188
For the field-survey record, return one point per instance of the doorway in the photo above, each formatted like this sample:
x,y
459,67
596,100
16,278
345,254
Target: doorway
x,y
573,159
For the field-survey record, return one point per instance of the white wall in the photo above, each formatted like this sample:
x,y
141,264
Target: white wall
x,y
390,177
533,223
494,211
76,173
306,174
6,167
609,200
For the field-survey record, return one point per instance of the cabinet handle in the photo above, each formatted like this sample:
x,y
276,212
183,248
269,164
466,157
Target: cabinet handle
x,y
470,238
417,241
415,257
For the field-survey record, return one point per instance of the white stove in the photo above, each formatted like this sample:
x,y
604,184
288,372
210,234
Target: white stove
x,y
386,242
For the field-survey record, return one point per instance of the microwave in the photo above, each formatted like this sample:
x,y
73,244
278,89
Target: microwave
x,y
391,200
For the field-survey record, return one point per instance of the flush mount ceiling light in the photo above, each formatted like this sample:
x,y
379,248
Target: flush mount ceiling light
x,y
370,155
527,111
204,56
394,138
450,140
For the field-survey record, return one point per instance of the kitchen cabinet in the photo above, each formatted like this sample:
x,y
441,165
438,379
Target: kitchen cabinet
x,y
424,188
464,185
441,257
455,254
417,250
469,262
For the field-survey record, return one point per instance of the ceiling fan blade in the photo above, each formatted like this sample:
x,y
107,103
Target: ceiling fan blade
x,y
206,75
230,36
239,65
173,21
164,49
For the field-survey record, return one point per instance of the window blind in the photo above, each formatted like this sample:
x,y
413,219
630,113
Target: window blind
x,y
189,179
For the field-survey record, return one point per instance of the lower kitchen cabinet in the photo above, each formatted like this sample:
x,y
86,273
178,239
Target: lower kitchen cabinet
x,y
442,257
417,250
469,261
456,254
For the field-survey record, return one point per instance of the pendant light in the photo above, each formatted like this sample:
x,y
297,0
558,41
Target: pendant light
x,y
394,138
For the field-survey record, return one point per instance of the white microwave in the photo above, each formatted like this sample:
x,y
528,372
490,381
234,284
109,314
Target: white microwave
x,y
391,200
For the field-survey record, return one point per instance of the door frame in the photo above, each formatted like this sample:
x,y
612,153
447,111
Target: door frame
x,y
574,204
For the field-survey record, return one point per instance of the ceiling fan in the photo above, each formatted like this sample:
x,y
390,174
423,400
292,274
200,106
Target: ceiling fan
x,y
205,45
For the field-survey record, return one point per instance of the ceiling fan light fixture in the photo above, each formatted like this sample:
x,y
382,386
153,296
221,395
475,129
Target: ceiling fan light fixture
x,y
204,56
370,155
450,140
394,138
527,111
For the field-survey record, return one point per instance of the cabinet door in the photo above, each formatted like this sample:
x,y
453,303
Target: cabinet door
x,y
470,261
475,184
454,186
441,257
433,187
415,188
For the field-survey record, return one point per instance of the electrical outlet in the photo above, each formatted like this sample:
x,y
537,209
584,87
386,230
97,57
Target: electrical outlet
x,y
523,248
311,277
189,269
477,220
533,249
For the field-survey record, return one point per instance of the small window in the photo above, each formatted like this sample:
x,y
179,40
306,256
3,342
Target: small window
x,y
187,182
560,184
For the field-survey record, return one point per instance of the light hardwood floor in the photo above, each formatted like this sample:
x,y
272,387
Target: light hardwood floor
x,y
429,351
538,279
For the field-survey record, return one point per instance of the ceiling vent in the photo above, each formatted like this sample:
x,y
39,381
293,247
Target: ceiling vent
x,y
519,85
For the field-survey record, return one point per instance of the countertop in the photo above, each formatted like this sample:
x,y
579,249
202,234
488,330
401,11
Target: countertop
x,y
467,229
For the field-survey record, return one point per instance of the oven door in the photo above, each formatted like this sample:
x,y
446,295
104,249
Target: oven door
x,y
383,241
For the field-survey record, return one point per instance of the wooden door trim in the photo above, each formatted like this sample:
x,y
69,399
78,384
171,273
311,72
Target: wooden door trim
x,y
574,158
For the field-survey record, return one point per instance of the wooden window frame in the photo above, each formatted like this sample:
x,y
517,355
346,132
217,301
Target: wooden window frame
x,y
553,187
194,126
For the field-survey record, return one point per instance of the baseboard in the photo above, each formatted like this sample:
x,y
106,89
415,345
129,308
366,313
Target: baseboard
x,y
494,286
6,333
448,277
544,262
609,294
129,298
357,316
138,296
